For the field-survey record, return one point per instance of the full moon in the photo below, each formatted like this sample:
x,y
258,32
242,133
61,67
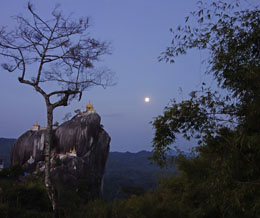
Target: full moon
x,y
147,99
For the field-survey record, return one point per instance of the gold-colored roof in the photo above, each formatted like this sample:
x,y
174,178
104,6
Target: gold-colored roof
x,y
90,107
36,125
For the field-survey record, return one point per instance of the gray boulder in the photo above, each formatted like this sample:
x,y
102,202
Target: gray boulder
x,y
79,156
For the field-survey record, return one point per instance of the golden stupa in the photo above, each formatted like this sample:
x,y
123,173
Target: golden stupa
x,y
90,109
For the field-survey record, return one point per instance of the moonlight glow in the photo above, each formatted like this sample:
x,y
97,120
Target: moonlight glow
x,y
147,99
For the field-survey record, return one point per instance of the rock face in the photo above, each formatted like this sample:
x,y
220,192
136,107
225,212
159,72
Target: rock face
x,y
78,158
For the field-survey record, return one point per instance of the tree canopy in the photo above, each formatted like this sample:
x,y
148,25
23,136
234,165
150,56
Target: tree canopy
x,y
222,179
231,36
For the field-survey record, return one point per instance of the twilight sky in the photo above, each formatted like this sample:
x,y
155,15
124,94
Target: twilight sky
x,y
138,31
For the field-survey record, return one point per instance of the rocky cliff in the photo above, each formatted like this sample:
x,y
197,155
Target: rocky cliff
x,y
78,158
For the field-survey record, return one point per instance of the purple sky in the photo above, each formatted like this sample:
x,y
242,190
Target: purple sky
x,y
138,31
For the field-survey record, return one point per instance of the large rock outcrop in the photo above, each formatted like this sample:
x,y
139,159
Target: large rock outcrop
x,y
78,158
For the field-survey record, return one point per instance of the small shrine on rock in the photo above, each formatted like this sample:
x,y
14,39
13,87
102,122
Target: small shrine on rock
x,y
30,160
36,127
71,153
90,109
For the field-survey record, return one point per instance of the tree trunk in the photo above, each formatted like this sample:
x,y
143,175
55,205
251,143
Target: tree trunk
x,y
47,152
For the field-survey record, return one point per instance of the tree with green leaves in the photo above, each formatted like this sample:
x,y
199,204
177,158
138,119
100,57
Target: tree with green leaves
x,y
223,178
54,53
231,37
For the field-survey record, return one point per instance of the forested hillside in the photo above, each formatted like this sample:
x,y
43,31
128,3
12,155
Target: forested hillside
x,y
126,173
131,173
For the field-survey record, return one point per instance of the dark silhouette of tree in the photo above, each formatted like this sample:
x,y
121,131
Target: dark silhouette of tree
x,y
56,52
222,179
231,37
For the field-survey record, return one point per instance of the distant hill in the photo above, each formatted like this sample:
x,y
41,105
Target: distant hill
x,y
124,171
131,170
5,149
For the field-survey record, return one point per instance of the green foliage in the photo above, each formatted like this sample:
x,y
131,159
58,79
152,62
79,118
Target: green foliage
x,y
204,188
71,204
99,209
22,199
128,191
223,179
12,173
231,37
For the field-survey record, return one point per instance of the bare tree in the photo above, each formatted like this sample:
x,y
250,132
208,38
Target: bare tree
x,y
55,51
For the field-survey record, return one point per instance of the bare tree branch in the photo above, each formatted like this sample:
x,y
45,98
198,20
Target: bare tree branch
x,y
58,50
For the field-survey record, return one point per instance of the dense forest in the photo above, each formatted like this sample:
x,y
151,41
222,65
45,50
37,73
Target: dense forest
x,y
223,178
125,171
126,174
